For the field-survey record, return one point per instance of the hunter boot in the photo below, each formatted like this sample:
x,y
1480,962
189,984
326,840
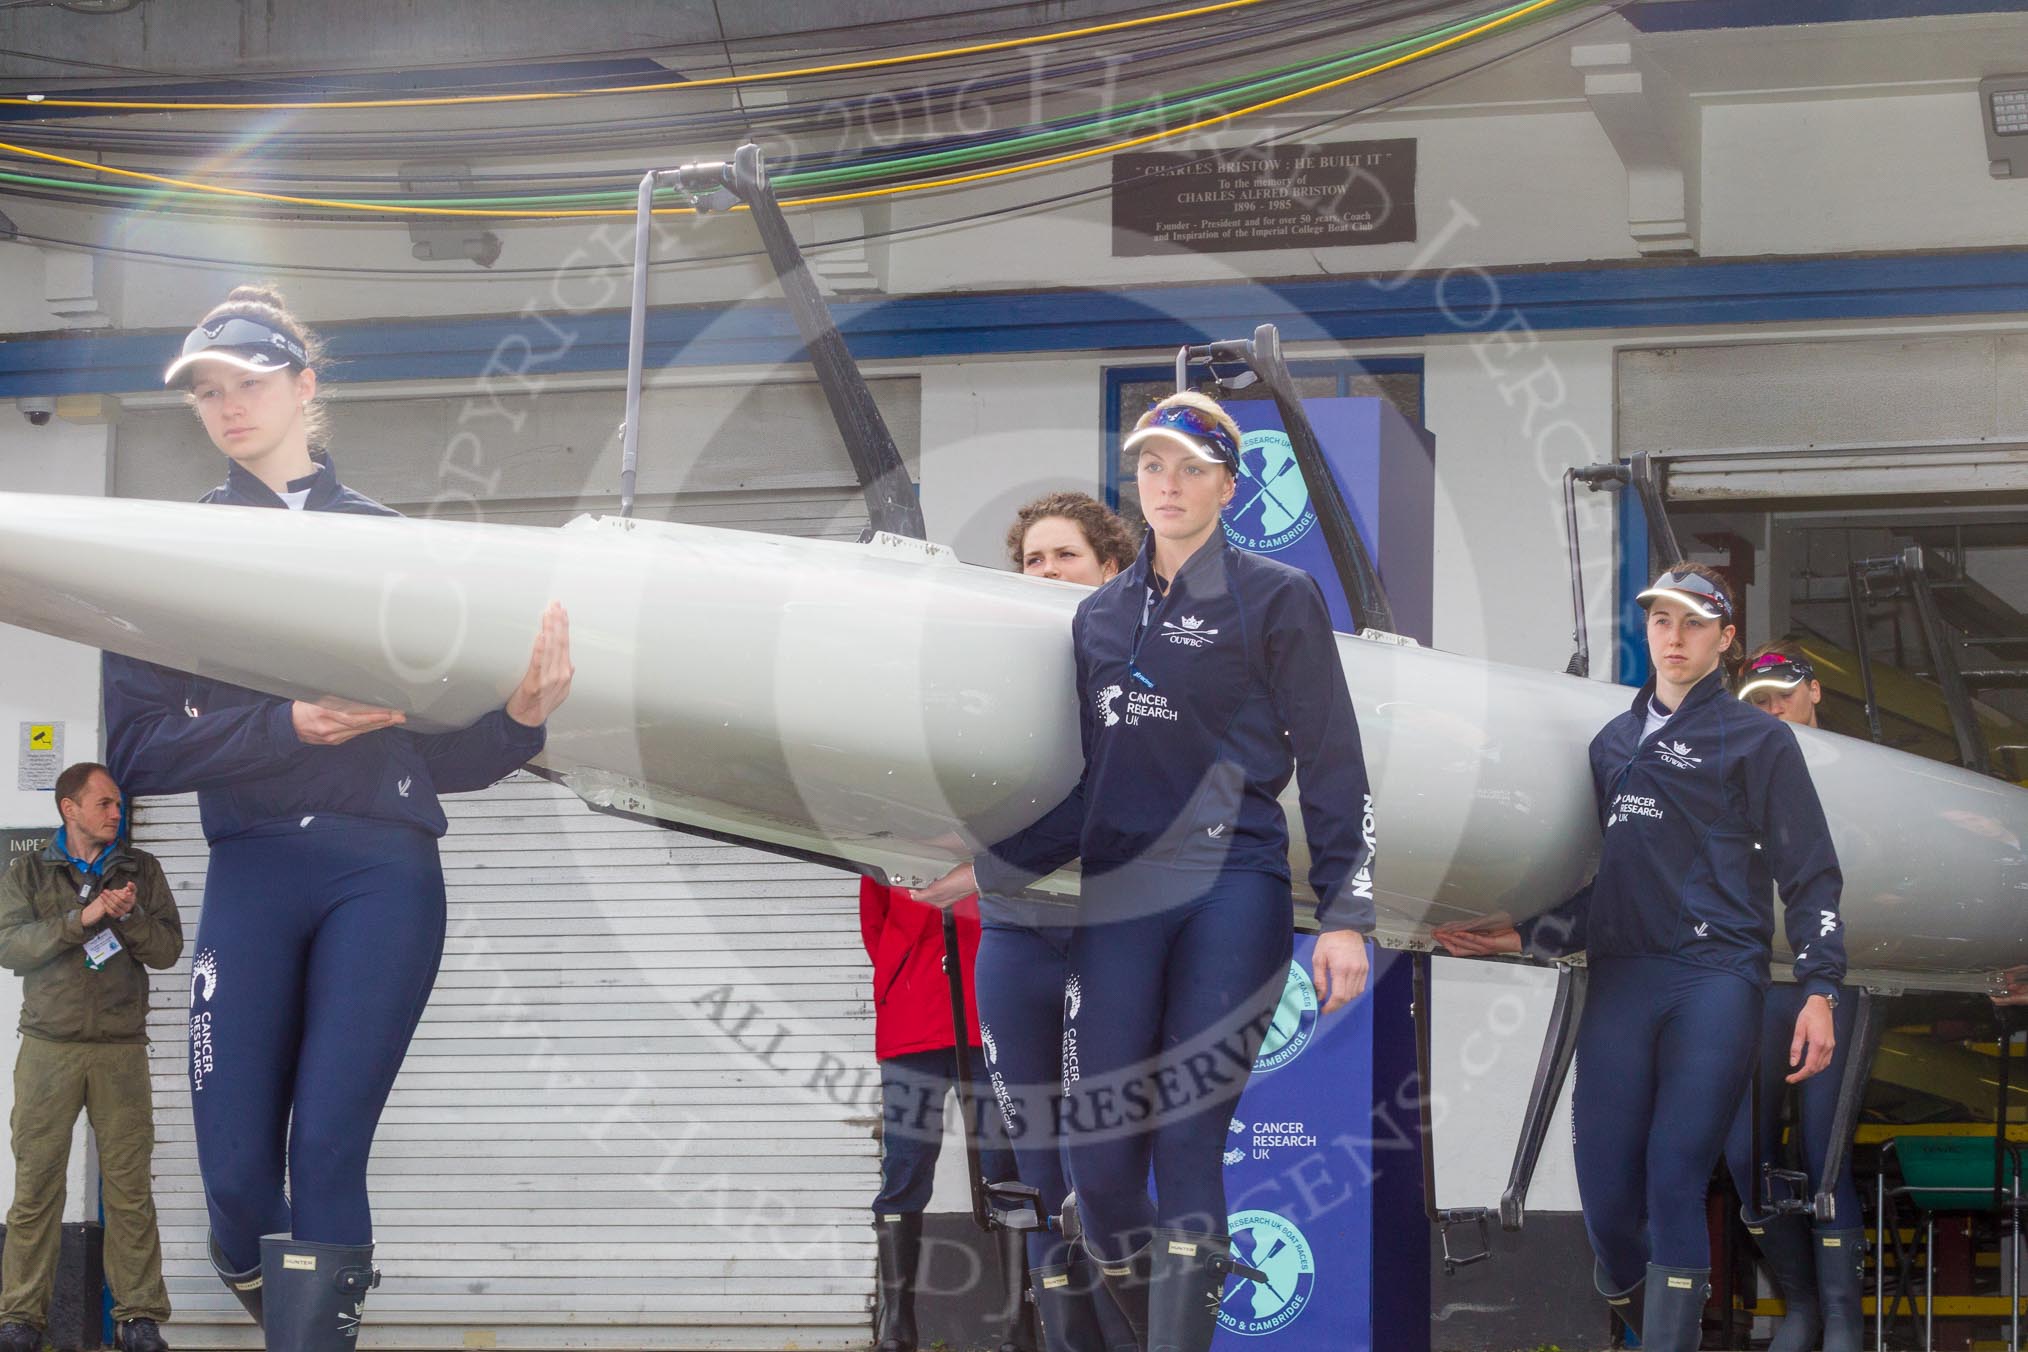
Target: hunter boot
x,y
1625,1305
245,1286
1019,1335
1115,1333
898,1237
1841,1281
1126,1283
313,1295
1786,1248
1186,1280
1065,1296
1672,1314
1122,1288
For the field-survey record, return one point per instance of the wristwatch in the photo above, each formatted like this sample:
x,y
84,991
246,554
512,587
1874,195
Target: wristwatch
x,y
1830,998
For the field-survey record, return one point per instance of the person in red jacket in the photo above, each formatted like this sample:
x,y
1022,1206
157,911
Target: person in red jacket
x,y
912,1036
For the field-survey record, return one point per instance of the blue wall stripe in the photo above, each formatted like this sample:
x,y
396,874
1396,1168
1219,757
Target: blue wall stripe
x,y
1677,16
1626,296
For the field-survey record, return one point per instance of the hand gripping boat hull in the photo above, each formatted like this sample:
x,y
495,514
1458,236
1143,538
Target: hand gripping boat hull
x,y
861,702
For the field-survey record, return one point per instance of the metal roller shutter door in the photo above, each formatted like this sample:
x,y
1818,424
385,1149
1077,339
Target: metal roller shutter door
x,y
636,1114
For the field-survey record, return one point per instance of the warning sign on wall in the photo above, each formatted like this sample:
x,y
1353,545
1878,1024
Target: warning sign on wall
x,y
41,758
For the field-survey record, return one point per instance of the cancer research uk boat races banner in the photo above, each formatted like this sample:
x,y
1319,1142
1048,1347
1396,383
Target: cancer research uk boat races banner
x,y
1386,470
1298,1173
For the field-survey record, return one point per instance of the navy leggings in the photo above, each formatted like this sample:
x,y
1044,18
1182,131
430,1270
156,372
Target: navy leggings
x,y
913,1087
1816,1105
315,956
1019,975
1662,1056
1174,980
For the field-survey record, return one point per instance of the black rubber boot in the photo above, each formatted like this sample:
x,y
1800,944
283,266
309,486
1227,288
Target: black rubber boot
x,y
1786,1248
1841,1283
1121,1289
1020,1334
1127,1283
1116,1334
313,1295
1672,1314
1065,1299
898,1238
1625,1305
16,1336
245,1286
139,1335
1186,1280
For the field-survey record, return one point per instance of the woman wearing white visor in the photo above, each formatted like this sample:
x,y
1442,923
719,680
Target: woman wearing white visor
x,y
1700,798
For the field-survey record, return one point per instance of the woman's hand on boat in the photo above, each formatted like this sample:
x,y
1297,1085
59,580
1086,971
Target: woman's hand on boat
x,y
950,889
324,725
546,683
1340,967
1462,941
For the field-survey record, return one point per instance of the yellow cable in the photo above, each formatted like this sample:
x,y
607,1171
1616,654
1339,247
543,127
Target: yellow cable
x,y
1034,165
1005,44
1004,171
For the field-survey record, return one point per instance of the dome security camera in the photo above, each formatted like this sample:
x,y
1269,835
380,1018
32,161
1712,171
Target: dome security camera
x,y
38,410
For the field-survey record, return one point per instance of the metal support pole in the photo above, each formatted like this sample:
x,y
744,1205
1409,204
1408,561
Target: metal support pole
x,y
1857,593
1352,561
961,1055
1851,1095
637,330
1943,655
1559,1045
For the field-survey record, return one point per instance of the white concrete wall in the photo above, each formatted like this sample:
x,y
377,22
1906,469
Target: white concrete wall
x,y
46,680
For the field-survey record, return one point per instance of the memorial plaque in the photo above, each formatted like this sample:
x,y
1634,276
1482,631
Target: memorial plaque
x,y
1268,197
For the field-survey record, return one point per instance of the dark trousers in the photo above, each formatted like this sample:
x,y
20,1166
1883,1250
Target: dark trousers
x,y
315,956
1019,976
1174,979
1816,1105
1663,1052
913,1088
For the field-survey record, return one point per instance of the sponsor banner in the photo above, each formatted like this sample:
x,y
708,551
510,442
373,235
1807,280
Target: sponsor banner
x,y
1298,1170
1378,459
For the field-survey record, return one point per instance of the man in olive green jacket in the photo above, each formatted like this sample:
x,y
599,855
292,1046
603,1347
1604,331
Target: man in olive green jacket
x,y
80,923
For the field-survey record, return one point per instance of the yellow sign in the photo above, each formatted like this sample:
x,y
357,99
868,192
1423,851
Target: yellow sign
x,y
42,736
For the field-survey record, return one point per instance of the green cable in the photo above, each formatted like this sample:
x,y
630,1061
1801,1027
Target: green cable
x,y
1187,104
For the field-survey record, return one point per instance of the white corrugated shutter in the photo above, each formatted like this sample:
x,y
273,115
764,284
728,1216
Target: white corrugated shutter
x,y
639,1112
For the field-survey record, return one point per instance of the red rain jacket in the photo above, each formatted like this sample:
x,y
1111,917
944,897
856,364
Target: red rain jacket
x,y
911,993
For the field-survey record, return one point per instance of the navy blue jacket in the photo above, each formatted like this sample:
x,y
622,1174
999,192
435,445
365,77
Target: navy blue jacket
x,y
170,732
1699,819
1195,707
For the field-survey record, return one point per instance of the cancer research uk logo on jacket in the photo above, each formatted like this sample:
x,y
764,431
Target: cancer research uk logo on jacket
x,y
1270,510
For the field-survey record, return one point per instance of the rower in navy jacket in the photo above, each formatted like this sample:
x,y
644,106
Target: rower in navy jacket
x,y
1205,677
324,905
1701,798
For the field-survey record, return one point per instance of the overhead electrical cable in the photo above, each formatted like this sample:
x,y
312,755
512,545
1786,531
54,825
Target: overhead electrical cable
x,y
1027,207
416,207
972,149
659,87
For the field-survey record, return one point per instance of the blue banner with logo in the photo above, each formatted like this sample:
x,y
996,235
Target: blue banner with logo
x,y
1386,472
1298,1180
1300,1173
